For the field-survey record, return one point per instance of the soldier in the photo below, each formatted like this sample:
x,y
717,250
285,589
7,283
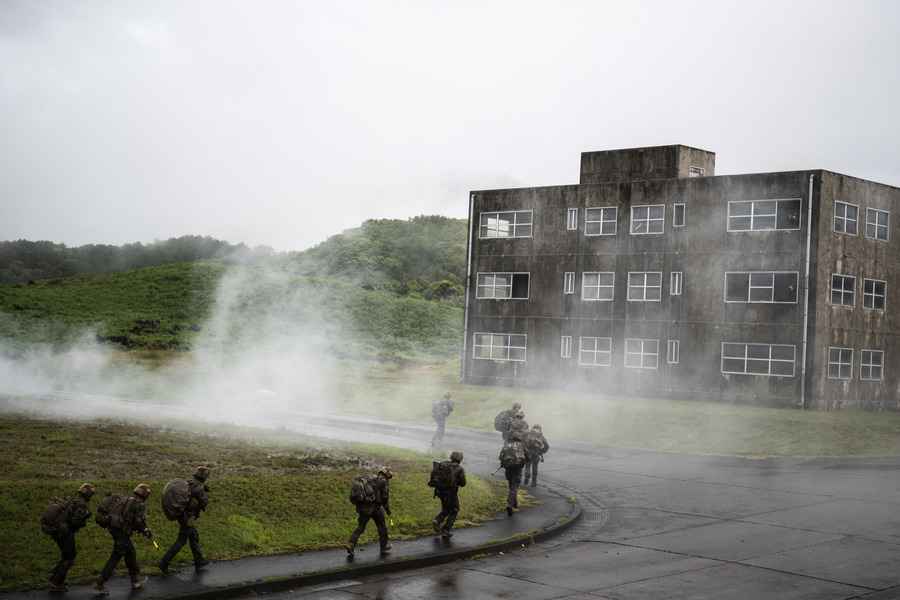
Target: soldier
x,y
61,521
187,533
440,410
125,519
448,478
504,419
519,425
371,495
535,447
512,459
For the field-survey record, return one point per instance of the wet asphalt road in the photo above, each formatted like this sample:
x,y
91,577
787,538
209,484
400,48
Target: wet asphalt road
x,y
671,526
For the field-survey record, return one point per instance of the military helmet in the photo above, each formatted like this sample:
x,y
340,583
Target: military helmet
x,y
386,471
142,490
519,415
87,490
516,406
201,473
456,456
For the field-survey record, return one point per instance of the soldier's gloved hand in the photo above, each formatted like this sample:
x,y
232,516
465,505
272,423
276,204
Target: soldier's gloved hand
x,y
148,534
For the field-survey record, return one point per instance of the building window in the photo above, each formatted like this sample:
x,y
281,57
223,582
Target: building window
x,y
565,346
696,171
877,224
641,354
675,280
771,360
572,219
600,220
508,224
598,286
871,365
678,215
509,347
873,294
843,290
673,351
845,217
775,287
648,219
595,351
569,282
645,286
502,286
764,215
840,363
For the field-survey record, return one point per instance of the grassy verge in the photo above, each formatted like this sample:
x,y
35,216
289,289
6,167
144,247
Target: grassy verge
x,y
405,393
271,492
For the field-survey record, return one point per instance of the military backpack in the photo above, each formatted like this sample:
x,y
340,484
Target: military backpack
x,y
54,517
110,511
501,421
512,454
363,491
175,499
534,444
442,475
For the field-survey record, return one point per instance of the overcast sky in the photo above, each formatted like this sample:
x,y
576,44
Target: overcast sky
x,y
282,123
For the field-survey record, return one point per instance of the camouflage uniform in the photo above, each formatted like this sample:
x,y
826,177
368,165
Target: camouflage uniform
x,y
450,497
518,425
187,533
134,519
440,410
535,447
76,516
513,479
506,418
374,511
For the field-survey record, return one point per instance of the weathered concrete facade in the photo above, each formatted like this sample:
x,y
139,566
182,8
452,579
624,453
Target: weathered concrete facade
x,y
751,227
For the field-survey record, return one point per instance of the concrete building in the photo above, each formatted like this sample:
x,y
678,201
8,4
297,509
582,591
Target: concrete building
x,y
654,276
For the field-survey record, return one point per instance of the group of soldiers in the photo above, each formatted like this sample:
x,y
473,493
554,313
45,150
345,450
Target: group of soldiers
x,y
523,450
123,516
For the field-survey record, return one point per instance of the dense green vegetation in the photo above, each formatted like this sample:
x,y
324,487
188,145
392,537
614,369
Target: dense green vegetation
x,y
271,493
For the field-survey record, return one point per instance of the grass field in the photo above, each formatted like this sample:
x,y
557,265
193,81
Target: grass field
x,y
271,492
405,393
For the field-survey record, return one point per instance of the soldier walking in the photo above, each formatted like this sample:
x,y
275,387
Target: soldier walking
x,y
371,496
446,479
198,499
124,516
504,418
61,521
512,459
519,425
440,410
535,447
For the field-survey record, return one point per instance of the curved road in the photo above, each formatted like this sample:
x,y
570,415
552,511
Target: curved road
x,y
668,526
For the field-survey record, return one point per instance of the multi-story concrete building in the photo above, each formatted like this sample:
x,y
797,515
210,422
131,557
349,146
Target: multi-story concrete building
x,y
654,276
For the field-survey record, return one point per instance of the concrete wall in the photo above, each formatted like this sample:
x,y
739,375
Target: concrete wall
x,y
700,319
634,164
856,327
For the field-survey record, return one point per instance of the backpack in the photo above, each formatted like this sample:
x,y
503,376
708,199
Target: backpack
x,y
442,475
362,490
175,498
534,446
110,511
54,517
501,421
512,454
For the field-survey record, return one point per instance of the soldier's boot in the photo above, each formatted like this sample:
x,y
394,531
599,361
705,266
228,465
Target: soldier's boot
x,y
57,587
350,547
138,582
201,564
436,524
164,566
386,549
445,532
100,588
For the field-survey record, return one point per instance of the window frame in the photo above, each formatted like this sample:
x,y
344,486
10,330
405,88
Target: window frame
x,y
644,287
843,291
694,171
515,224
883,295
612,286
508,346
595,352
796,275
661,219
834,218
675,208
565,346
568,278
569,219
511,274
829,363
753,215
601,220
887,226
673,352
746,358
676,283
863,364
641,354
